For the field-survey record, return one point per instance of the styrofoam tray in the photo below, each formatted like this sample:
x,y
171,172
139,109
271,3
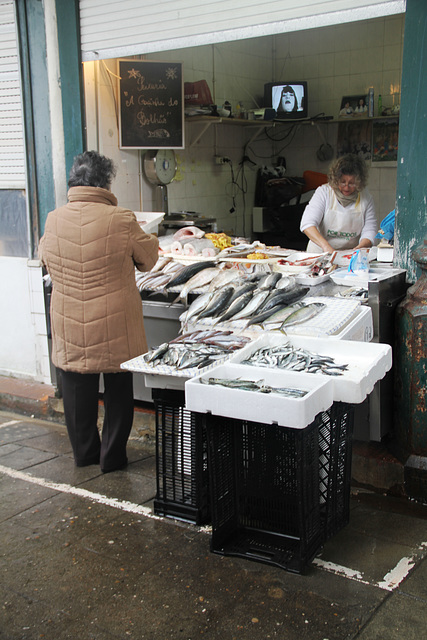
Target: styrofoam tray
x,y
368,363
311,281
151,220
266,408
138,365
341,276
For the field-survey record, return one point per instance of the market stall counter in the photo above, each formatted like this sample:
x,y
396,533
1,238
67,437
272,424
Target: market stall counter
x,y
303,399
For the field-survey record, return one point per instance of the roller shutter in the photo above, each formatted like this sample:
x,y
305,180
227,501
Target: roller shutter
x,y
111,29
12,158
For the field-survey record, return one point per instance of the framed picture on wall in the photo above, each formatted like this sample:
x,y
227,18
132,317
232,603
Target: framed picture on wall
x,y
355,137
354,106
385,135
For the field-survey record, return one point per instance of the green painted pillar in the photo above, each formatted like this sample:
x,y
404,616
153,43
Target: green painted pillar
x,y
411,201
70,64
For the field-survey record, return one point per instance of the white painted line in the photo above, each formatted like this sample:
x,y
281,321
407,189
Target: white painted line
x,y
338,569
82,493
394,577
9,424
390,582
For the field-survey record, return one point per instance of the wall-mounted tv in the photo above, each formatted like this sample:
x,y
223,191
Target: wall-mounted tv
x,y
289,99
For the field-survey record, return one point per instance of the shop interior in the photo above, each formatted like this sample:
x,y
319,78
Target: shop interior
x,y
335,61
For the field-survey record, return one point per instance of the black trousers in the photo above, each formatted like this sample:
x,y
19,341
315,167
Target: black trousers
x,y
80,395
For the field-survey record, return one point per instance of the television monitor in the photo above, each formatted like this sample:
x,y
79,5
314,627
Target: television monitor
x,y
288,99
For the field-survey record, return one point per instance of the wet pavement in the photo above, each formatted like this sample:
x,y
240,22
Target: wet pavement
x,y
83,557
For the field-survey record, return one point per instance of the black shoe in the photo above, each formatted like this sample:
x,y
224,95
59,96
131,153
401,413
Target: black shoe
x,y
117,468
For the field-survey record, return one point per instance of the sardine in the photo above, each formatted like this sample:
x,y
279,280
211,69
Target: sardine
x,y
306,312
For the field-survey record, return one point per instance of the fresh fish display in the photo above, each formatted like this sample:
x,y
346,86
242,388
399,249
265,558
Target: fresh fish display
x,y
196,307
242,289
199,280
270,281
187,272
253,385
278,317
304,313
253,305
277,300
286,356
234,307
224,278
218,303
196,349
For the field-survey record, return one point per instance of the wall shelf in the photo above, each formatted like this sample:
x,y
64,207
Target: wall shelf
x,y
205,122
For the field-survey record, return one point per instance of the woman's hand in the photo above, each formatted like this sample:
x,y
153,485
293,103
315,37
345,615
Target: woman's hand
x,y
315,236
363,244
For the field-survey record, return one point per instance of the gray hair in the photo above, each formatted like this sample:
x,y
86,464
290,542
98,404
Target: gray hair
x,y
91,169
348,165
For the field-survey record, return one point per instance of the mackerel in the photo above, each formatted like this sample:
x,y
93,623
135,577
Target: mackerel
x,y
187,272
237,305
303,314
218,303
252,305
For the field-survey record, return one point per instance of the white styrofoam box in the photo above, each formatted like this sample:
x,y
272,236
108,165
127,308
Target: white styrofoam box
x,y
267,408
360,328
367,362
149,220
385,254
164,382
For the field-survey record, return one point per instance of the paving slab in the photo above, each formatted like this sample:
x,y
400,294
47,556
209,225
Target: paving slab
x,y
83,556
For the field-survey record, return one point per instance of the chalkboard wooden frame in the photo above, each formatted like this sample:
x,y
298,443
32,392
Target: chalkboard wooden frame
x,y
151,105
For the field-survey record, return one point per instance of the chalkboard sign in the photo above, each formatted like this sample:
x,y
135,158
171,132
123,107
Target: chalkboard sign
x,y
151,105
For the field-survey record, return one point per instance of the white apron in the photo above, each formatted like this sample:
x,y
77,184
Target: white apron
x,y
341,229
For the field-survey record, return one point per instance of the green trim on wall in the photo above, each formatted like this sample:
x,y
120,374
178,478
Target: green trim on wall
x,y
411,218
38,139
68,26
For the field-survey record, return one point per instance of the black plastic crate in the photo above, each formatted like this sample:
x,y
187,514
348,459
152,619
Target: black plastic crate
x,y
264,483
182,481
335,451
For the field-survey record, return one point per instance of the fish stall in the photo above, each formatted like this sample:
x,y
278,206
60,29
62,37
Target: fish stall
x,y
255,394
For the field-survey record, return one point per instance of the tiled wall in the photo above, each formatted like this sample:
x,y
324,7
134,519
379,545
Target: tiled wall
x,y
336,61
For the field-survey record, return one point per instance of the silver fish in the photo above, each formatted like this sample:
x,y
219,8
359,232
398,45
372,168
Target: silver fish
x,y
236,306
252,306
200,279
218,303
306,312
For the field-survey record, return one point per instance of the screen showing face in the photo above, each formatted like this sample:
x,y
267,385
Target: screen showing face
x,y
288,98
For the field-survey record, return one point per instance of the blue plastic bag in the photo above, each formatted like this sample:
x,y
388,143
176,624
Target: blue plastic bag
x,y
386,231
359,263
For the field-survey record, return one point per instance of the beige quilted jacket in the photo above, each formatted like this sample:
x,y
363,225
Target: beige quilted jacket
x,y
90,248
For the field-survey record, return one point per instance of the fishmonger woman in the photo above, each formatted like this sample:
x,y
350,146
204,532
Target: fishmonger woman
x,y
341,214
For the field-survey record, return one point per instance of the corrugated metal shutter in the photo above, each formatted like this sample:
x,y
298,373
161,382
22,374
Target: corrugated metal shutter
x,y
111,29
12,157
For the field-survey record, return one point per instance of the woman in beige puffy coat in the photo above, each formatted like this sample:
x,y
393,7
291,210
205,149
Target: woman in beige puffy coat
x,y
90,248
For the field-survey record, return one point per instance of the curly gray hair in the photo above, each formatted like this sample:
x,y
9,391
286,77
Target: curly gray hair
x,y
91,169
348,165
